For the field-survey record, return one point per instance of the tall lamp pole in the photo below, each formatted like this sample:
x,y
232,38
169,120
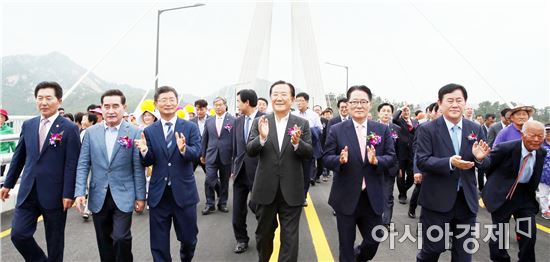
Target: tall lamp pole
x,y
159,12
347,74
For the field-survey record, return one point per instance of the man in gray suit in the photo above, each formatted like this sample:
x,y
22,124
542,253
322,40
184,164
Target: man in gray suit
x,y
117,183
495,128
216,151
281,141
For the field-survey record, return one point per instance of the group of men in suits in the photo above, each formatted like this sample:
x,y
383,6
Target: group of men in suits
x,y
266,159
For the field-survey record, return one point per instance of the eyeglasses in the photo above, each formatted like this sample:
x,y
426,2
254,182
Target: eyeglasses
x,y
357,102
166,100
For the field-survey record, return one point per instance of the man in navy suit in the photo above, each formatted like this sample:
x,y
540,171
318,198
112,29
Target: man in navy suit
x,y
117,182
385,113
513,174
360,152
216,152
243,166
171,145
48,151
343,113
402,118
448,195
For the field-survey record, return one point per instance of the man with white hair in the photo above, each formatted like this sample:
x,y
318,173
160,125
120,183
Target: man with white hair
x,y
514,171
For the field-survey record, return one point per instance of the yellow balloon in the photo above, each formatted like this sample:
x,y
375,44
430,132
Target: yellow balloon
x,y
189,108
180,113
212,112
148,105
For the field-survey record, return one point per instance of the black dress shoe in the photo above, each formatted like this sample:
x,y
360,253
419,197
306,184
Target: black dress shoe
x,y
240,248
208,210
412,213
223,208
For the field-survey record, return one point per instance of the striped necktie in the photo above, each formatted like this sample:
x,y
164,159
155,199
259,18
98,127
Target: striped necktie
x,y
169,134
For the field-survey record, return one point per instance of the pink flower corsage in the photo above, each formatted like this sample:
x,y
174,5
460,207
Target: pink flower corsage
x,y
393,135
472,136
373,139
293,130
228,127
125,141
55,138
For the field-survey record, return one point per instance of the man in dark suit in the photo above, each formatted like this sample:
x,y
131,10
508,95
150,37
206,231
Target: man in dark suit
x,y
117,178
360,161
485,126
201,107
495,129
281,141
385,113
448,195
171,146
514,170
402,118
216,152
343,113
47,155
244,166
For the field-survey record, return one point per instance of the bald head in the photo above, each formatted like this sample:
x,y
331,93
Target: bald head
x,y
533,134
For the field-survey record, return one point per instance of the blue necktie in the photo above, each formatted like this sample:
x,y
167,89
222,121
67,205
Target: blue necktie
x,y
246,129
169,134
454,138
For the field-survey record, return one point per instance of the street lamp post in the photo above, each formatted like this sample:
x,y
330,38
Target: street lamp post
x,y
347,73
159,12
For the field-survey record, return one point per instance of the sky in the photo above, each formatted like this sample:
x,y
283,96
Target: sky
x,y
404,50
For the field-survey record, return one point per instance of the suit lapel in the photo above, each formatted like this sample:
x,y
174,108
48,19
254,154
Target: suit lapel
x,y
286,137
466,131
160,134
272,136
54,128
101,141
122,131
35,137
516,159
444,135
353,145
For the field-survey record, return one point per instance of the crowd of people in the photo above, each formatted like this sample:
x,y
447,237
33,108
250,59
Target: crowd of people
x,y
111,164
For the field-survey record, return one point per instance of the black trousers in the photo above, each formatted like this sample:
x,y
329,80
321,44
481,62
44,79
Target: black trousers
x,y
405,181
112,231
24,226
458,219
389,182
308,167
241,189
524,211
480,179
414,197
320,169
289,218
366,220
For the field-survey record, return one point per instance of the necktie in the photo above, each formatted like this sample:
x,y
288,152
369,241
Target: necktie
x,y
520,174
42,133
454,139
219,122
169,134
409,125
246,128
362,137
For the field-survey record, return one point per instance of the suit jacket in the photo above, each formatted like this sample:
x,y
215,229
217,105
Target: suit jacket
x,y
334,121
439,182
212,144
503,165
123,174
493,132
324,123
406,137
239,149
53,170
196,121
171,165
279,168
394,131
346,186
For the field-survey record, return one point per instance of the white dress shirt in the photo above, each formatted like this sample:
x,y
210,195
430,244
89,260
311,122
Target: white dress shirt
x,y
110,138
